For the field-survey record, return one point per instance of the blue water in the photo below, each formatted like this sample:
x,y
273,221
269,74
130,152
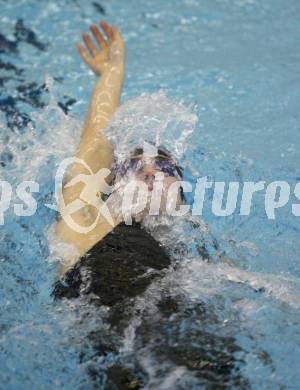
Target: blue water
x,y
234,64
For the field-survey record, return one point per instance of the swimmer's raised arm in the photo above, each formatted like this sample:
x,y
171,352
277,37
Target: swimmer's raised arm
x,y
106,57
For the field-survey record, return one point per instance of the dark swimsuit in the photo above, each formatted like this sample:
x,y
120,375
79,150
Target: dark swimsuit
x,y
119,267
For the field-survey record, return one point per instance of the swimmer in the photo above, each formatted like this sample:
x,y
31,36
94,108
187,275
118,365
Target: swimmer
x,y
117,262
104,53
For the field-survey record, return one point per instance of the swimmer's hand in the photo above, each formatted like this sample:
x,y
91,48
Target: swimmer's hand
x,y
108,52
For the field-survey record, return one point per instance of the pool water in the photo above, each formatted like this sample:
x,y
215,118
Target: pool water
x,y
217,81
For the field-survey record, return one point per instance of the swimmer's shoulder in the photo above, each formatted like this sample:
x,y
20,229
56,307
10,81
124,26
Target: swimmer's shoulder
x,y
84,230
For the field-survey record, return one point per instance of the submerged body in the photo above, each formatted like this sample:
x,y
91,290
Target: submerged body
x,y
114,274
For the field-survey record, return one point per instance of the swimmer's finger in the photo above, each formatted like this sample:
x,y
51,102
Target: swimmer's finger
x,y
84,54
98,36
89,43
107,29
115,33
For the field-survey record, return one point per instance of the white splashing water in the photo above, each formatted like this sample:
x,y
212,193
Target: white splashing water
x,y
152,117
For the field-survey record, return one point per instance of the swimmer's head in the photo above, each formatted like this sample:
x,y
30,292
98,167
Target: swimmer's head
x,y
145,163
